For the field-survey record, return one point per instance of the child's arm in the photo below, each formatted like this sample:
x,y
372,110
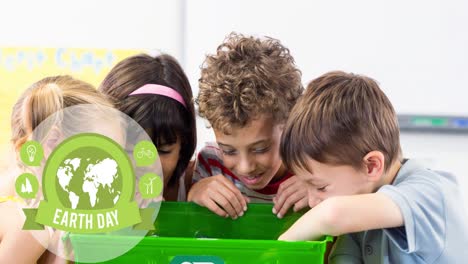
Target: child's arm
x,y
346,214
17,245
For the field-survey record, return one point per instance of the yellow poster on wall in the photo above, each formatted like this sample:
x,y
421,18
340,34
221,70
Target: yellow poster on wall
x,y
21,67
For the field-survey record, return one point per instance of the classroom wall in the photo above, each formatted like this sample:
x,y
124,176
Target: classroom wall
x,y
415,49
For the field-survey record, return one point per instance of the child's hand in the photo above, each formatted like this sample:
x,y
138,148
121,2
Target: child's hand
x,y
292,192
220,196
312,225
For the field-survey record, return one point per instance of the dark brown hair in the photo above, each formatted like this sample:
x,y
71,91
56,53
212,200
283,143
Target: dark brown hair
x,y
165,118
247,77
340,118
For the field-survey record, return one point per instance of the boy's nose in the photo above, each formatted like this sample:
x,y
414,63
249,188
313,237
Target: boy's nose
x,y
246,166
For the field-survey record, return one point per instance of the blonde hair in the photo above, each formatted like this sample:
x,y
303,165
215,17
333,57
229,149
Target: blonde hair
x,y
46,97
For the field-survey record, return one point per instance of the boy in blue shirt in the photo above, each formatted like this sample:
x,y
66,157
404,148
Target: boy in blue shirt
x,y
342,138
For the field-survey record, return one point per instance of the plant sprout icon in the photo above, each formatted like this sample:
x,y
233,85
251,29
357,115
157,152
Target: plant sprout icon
x,y
31,150
149,185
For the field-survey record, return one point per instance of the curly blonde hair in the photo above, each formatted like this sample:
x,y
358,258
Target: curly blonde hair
x,y
248,77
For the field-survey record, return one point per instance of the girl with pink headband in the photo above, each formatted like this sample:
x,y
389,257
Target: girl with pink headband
x,y
156,93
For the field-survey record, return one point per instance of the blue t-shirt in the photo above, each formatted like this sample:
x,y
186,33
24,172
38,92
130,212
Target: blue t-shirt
x,y
435,225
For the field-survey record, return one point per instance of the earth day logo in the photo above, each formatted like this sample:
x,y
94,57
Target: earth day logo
x,y
101,177
89,186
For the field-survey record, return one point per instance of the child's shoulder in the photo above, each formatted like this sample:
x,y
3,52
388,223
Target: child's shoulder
x,y
211,150
416,187
417,173
209,162
432,208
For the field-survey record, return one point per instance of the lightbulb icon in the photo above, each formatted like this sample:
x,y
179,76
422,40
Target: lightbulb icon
x,y
32,153
31,150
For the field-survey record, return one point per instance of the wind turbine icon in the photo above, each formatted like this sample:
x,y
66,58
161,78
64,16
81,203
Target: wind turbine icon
x,y
149,185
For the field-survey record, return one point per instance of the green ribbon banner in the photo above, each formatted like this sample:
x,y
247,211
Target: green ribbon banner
x,y
88,221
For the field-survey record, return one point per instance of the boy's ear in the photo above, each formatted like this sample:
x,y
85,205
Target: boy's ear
x,y
374,163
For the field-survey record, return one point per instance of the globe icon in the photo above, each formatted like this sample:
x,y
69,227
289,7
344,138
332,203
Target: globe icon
x,y
88,178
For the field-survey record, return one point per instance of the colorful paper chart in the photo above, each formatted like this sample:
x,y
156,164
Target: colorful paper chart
x,y
22,66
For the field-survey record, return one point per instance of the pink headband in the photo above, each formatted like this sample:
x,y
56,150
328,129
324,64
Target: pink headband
x,y
160,90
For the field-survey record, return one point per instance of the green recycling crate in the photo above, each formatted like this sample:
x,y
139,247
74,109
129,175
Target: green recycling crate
x,y
187,233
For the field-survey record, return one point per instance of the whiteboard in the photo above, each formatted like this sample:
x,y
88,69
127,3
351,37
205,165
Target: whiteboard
x,y
417,50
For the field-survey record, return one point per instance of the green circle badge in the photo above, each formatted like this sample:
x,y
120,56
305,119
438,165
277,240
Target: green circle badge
x,y
150,186
31,153
26,186
145,153
88,185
